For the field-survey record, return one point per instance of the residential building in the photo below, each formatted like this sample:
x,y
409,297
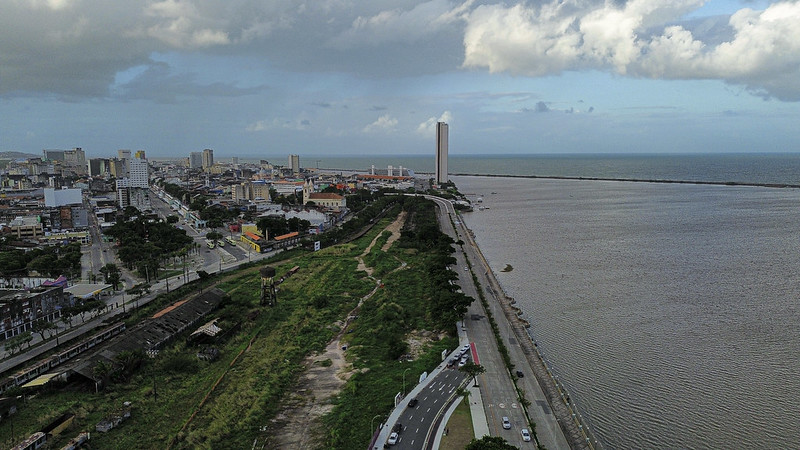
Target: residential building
x,y
20,309
196,160
208,158
294,164
139,173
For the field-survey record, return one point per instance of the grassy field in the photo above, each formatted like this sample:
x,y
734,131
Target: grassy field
x,y
179,401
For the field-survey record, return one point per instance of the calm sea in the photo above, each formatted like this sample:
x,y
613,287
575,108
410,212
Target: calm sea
x,y
747,168
669,312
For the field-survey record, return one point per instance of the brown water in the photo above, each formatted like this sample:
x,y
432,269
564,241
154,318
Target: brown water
x,y
669,312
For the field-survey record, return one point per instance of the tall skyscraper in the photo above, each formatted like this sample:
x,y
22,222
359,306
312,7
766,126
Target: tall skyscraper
x,y
208,158
195,160
441,153
294,163
139,173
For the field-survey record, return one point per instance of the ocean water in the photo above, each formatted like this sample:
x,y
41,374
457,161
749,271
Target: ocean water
x,y
669,312
743,168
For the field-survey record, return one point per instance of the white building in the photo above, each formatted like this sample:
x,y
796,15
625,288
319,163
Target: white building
x,y
62,197
441,152
139,173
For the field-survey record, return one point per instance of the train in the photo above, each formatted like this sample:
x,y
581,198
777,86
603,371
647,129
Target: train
x,y
31,372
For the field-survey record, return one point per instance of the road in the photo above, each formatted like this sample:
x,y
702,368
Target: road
x,y
416,422
496,385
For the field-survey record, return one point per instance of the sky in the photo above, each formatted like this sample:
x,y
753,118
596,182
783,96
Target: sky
x,y
268,78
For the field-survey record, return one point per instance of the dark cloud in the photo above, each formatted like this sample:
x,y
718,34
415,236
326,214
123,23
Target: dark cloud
x,y
159,84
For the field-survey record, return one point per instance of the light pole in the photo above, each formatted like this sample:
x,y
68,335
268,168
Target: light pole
x,y
404,381
372,422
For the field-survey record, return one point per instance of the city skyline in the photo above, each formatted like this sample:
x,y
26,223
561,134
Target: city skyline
x,y
336,79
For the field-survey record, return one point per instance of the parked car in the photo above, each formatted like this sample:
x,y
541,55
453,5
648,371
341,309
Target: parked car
x,y
398,427
506,423
520,374
392,439
526,436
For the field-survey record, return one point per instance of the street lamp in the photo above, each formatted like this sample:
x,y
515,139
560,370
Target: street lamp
x,y
372,422
404,381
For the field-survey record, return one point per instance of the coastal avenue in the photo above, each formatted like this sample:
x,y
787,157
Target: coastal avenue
x,y
496,387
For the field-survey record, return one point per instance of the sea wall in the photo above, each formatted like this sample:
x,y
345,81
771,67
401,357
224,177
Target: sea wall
x,y
578,435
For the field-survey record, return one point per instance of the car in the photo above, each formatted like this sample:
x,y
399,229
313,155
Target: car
x,y
520,374
398,427
465,348
526,436
462,363
506,423
392,439
413,402
466,269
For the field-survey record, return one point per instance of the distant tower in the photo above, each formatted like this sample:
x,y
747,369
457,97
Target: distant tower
x,y
294,164
195,160
208,158
441,153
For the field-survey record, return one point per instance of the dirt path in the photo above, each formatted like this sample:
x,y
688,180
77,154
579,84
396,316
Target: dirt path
x,y
297,425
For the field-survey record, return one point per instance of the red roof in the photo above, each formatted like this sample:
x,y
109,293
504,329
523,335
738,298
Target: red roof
x,y
287,236
324,196
253,236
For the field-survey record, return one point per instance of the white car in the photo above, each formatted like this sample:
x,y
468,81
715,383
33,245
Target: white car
x,y
462,363
506,423
525,435
392,439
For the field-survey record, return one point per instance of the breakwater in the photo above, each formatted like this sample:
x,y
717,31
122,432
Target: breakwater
x,y
634,180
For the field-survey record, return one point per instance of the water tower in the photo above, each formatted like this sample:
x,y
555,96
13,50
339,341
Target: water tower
x,y
268,291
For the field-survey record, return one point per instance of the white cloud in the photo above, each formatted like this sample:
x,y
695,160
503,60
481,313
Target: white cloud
x,y
383,123
181,25
398,25
764,52
428,127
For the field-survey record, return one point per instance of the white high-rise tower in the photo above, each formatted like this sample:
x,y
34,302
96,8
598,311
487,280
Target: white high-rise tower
x,y
441,153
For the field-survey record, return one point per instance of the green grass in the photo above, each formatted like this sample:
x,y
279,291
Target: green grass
x,y
268,347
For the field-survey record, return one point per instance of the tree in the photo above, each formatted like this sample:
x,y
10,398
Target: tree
x,y
489,443
15,343
66,316
473,370
43,326
112,275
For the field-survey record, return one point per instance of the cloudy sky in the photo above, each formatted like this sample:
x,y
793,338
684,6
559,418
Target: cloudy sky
x,y
348,77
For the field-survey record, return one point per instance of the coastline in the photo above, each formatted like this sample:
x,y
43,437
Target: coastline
x,y
569,419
